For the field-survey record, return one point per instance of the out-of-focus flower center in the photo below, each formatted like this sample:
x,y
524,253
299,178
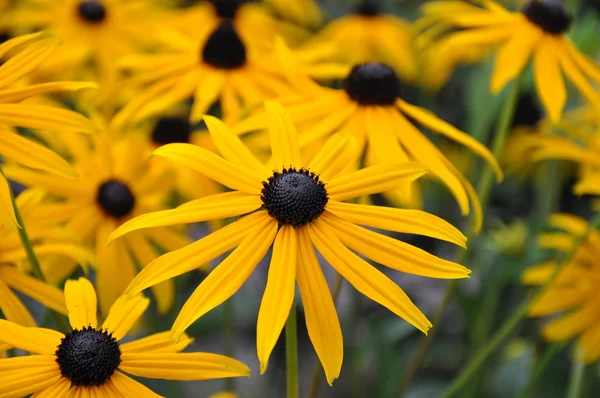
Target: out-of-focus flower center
x,y
549,15
294,197
368,8
170,130
372,84
92,11
88,357
115,198
224,48
227,8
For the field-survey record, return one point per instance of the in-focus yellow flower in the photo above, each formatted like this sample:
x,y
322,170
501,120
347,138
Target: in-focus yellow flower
x,y
294,207
368,108
27,53
536,32
95,32
368,35
574,292
215,68
303,12
116,183
90,361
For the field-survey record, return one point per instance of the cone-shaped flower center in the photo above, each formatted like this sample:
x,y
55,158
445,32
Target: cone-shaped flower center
x,y
88,357
170,130
224,48
294,197
368,8
92,11
227,8
549,15
372,84
115,198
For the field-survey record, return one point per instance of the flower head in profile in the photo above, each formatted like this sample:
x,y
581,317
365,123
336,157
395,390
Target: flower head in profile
x,y
536,33
368,35
116,183
91,360
369,107
294,207
573,293
26,54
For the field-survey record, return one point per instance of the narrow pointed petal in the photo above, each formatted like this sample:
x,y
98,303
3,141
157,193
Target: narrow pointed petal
x,y
124,313
46,294
182,366
398,220
576,76
213,166
26,60
335,154
364,277
81,303
374,179
214,207
45,118
548,79
227,277
58,390
7,213
586,64
284,138
279,294
20,94
34,340
194,255
322,321
28,382
13,309
157,343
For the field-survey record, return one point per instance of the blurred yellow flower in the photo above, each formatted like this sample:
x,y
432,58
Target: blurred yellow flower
x,y
303,12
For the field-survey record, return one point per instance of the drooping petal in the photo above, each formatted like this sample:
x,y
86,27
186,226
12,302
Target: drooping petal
x,y
322,321
284,138
192,256
548,78
46,294
576,76
374,179
227,277
207,92
13,309
82,304
364,277
34,340
124,313
279,294
182,366
157,343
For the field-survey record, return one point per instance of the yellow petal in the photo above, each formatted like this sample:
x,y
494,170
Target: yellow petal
x,y
398,220
192,256
58,390
124,313
13,309
27,382
548,79
284,138
214,207
207,93
227,277
81,303
322,321
20,94
374,179
45,118
26,60
572,323
157,343
182,366
336,153
19,41
364,277
34,340
586,64
393,253
128,387
46,294
279,294
7,213
576,76
214,167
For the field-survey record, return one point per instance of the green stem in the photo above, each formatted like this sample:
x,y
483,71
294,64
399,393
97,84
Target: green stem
x,y
33,260
540,367
318,370
291,353
229,340
484,353
484,188
576,380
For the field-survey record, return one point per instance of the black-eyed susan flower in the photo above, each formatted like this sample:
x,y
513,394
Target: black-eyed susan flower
x,y
368,35
91,360
294,207
116,183
573,294
26,54
210,69
369,108
536,33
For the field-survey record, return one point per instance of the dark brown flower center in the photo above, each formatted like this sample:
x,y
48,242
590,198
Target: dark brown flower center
x,y
170,130
224,48
294,197
92,11
88,357
549,15
227,9
368,8
372,84
115,198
